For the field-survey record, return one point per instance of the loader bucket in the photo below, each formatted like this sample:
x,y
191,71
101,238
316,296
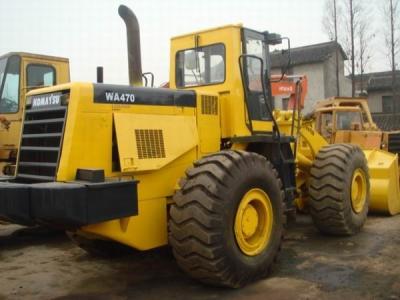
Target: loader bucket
x,y
384,181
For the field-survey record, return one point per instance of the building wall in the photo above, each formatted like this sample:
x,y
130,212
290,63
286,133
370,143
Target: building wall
x,y
375,100
330,78
321,82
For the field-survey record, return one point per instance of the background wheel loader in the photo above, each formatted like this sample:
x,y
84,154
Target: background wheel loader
x,y
206,166
331,181
347,120
20,73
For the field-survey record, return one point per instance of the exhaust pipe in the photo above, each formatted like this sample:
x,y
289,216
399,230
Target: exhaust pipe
x,y
99,74
133,41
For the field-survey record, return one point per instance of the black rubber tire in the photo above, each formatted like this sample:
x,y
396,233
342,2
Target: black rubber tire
x,y
201,225
99,248
330,190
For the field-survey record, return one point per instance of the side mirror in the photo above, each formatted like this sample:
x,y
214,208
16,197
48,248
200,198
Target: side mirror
x,y
273,38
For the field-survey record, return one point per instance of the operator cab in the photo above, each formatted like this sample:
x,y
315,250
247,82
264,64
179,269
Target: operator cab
x,y
234,63
345,119
12,77
340,116
20,73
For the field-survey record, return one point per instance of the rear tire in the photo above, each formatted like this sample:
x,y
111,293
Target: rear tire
x,y
339,190
212,239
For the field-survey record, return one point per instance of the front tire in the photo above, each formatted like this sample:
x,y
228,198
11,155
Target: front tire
x,y
339,190
226,224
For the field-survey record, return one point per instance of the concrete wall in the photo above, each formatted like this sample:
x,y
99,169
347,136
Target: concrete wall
x,y
316,86
375,101
330,78
321,81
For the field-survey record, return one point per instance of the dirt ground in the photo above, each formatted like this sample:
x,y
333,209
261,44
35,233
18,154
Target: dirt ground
x,y
42,265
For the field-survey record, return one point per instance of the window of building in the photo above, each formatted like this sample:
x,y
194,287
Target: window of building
x,y
200,66
387,104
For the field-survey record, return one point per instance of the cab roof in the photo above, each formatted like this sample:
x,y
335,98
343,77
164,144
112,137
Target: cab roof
x,y
239,25
340,101
33,55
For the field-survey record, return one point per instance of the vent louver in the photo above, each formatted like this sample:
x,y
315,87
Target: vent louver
x,y
150,143
209,105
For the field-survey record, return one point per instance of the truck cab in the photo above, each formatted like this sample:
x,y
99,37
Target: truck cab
x,y
20,73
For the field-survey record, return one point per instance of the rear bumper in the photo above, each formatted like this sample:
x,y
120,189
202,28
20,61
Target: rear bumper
x,y
67,205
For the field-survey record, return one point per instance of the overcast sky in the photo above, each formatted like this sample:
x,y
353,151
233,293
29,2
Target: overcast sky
x,y
91,33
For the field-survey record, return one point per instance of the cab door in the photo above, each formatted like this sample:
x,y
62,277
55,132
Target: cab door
x,y
10,108
33,74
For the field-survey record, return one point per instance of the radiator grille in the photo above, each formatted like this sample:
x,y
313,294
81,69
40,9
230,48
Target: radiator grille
x,y
41,144
209,105
150,143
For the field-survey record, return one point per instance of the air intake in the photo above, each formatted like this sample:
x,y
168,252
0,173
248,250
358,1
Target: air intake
x,y
150,143
209,105
41,144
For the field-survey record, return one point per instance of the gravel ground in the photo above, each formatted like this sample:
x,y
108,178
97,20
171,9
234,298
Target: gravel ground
x,y
37,264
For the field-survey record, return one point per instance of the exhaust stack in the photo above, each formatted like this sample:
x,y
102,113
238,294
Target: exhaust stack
x,y
133,42
99,74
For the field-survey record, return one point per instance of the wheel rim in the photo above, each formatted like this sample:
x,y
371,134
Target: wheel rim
x,y
358,191
253,222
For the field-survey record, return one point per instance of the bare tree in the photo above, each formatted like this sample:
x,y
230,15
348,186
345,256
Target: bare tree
x,y
330,25
350,18
364,36
356,35
391,15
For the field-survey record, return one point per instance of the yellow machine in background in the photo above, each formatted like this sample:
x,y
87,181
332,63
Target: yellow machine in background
x,y
348,120
206,166
20,73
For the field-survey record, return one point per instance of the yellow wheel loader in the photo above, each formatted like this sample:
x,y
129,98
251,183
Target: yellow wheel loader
x,y
20,73
348,120
205,166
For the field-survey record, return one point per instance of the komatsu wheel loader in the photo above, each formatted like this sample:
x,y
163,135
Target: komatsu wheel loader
x,y
19,73
206,166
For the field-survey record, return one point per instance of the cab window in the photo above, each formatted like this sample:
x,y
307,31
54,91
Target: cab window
x,y
325,124
9,89
200,66
348,120
40,75
254,44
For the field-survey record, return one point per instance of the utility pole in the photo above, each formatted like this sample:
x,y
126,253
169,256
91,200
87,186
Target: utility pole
x,y
394,92
336,49
361,62
353,87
